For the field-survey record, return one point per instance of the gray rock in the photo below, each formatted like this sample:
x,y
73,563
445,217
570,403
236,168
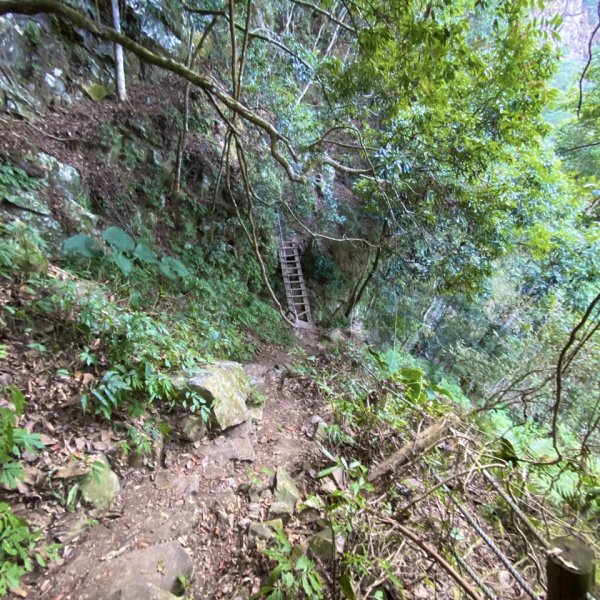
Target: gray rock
x,y
227,387
163,566
236,444
74,197
327,486
266,530
142,591
191,429
178,524
100,487
320,432
286,496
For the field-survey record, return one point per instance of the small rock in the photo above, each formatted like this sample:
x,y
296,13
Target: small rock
x,y
192,429
265,530
320,432
328,486
100,487
70,526
309,514
286,495
254,510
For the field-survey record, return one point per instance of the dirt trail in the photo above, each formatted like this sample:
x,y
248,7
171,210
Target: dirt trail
x,y
197,502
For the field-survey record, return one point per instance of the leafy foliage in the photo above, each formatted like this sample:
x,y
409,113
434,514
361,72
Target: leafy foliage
x,y
14,440
294,574
19,550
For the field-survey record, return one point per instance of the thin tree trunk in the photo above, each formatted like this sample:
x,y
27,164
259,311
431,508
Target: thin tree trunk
x,y
186,118
356,297
119,57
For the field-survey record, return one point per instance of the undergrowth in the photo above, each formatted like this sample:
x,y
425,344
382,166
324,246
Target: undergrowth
x,y
378,401
132,319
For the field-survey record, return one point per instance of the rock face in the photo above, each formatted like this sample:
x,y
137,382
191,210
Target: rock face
x,y
100,486
286,496
236,444
227,387
164,566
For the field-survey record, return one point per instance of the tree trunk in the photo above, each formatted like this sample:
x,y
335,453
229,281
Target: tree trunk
x,y
119,58
184,129
570,570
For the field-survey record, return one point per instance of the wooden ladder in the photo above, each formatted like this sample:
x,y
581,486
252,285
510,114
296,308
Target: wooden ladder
x,y
295,288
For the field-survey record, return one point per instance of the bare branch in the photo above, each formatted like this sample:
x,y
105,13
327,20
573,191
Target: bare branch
x,y
589,61
560,370
323,12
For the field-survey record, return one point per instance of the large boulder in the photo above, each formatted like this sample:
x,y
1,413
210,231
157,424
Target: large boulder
x,y
226,387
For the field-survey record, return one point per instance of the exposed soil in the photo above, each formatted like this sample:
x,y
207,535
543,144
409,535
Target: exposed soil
x,y
187,501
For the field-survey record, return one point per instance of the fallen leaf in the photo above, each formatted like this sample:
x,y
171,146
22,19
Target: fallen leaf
x,y
74,469
47,440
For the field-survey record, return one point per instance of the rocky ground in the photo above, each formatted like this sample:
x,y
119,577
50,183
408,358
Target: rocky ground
x,y
192,525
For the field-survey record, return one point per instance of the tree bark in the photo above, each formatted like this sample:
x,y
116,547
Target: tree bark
x,y
570,569
184,129
424,441
119,57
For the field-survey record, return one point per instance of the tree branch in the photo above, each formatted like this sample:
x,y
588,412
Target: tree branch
x,y
560,370
323,12
578,147
589,61
32,7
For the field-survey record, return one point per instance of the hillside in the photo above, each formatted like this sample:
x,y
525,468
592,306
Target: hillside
x,y
299,300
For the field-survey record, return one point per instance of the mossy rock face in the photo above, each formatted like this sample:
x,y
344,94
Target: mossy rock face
x,y
226,387
96,91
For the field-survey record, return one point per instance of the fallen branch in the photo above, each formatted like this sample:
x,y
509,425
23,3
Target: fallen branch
x,y
424,441
434,555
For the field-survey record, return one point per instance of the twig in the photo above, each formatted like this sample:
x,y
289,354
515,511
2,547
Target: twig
x,y
432,553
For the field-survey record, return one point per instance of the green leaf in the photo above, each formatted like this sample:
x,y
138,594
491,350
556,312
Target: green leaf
x,y
347,587
83,245
124,264
177,266
17,398
119,239
165,269
144,253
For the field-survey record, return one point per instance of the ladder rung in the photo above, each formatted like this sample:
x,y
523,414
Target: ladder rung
x,y
293,280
